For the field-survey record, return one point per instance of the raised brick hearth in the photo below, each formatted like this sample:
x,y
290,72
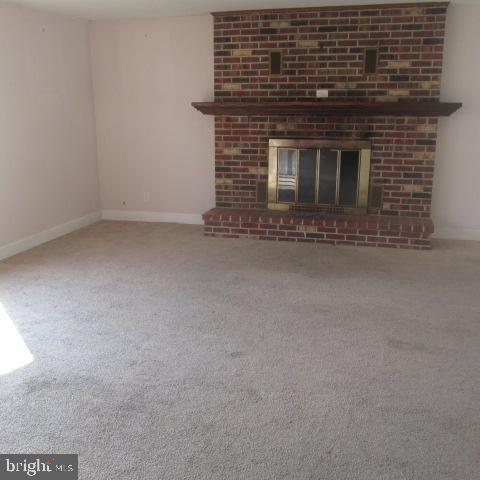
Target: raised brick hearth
x,y
364,230
324,48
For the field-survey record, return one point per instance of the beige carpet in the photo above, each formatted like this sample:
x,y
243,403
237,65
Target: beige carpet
x,y
161,354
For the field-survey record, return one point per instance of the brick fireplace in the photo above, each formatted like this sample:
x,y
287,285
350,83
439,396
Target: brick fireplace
x,y
389,105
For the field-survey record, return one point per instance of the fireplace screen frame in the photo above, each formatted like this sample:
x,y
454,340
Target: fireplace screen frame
x,y
364,150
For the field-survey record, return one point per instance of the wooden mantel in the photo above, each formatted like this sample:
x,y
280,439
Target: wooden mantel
x,y
329,108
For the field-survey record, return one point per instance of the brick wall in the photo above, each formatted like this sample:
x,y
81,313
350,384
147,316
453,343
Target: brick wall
x,y
324,48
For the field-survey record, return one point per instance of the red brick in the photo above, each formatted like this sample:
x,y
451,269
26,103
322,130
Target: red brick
x,y
398,143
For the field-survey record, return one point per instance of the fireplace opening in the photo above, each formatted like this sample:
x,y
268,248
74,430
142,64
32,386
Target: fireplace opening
x,y
319,175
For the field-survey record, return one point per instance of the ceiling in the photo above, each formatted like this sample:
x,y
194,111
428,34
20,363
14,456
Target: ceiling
x,y
117,9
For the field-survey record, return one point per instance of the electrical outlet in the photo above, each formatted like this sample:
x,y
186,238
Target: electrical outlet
x,y
146,197
322,93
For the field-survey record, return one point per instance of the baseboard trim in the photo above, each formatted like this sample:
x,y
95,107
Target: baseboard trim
x,y
32,241
452,233
161,217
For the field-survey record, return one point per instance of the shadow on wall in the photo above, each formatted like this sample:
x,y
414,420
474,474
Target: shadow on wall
x,y
14,353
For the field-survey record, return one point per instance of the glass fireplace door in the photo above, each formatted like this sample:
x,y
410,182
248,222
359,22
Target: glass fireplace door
x,y
319,176
307,176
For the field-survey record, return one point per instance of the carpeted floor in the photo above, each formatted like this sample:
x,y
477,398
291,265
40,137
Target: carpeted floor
x,y
161,354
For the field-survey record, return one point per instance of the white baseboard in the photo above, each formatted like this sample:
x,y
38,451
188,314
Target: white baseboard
x,y
46,235
164,217
452,233
161,217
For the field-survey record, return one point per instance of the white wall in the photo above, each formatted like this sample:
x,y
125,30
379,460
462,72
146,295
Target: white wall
x,y
456,192
48,172
155,152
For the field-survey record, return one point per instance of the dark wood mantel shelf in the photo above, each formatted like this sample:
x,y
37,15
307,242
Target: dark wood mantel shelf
x,y
329,108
